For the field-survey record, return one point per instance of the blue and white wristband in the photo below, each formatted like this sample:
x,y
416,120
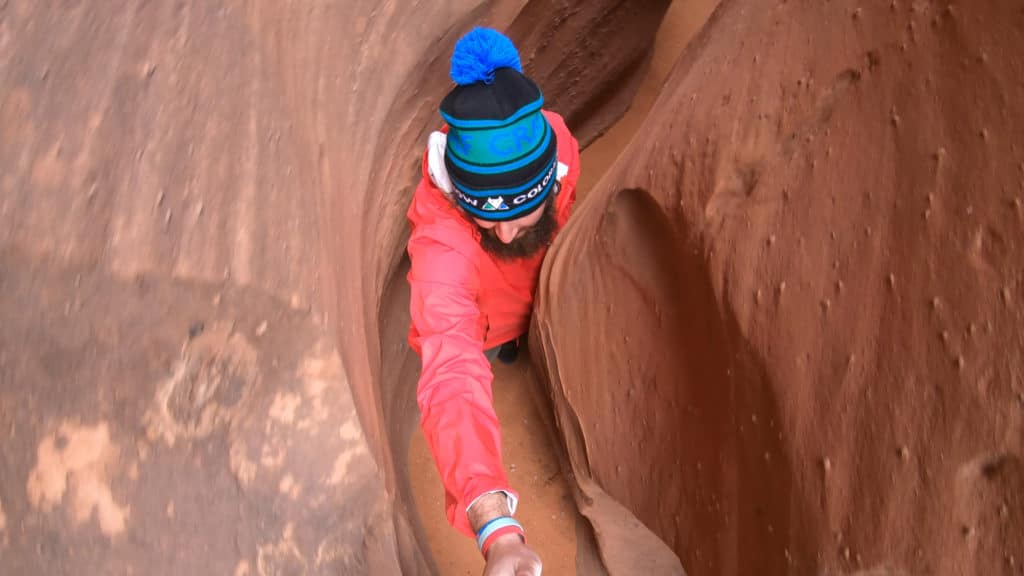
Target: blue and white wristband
x,y
493,526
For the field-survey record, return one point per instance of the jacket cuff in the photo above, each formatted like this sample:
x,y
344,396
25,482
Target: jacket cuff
x,y
513,500
457,510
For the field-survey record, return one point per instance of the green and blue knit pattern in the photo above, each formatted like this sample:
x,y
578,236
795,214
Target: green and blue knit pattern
x,y
496,146
481,148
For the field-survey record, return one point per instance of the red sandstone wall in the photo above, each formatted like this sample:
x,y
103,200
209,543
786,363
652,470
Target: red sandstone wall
x,y
785,329
201,208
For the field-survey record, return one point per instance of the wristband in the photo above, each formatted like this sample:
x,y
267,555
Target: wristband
x,y
493,526
498,534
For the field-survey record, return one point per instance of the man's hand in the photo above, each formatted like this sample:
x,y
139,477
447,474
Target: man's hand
x,y
509,556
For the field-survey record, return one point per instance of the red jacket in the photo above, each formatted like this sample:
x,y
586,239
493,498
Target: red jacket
x,y
464,301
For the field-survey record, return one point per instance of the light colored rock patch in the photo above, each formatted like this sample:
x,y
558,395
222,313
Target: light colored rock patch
x,y
342,464
243,568
77,460
289,487
242,467
320,373
334,549
210,385
351,431
283,409
272,456
281,557
3,518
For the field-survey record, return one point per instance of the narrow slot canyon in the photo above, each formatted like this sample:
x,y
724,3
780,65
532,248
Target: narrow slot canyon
x,y
780,334
529,441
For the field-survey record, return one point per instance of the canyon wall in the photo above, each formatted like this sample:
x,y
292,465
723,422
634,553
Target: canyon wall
x,y
784,331
201,209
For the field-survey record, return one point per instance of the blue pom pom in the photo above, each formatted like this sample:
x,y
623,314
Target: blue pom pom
x,y
479,53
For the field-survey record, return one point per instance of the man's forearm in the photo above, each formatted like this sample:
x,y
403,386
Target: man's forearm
x,y
487,508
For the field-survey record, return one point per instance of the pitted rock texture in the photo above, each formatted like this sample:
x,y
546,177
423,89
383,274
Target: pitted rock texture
x,y
784,331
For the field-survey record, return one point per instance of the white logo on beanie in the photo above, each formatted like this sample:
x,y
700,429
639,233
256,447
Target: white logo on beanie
x,y
532,192
496,204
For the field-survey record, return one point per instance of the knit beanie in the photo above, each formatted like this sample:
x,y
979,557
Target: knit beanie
x,y
501,153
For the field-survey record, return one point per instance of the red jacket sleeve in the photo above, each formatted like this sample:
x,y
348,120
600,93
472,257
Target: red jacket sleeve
x,y
454,390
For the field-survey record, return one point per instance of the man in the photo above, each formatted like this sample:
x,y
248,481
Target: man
x,y
499,181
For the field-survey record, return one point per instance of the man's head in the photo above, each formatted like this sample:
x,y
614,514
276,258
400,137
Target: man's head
x,y
501,153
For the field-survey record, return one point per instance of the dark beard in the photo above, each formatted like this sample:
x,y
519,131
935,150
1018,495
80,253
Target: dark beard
x,y
530,240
